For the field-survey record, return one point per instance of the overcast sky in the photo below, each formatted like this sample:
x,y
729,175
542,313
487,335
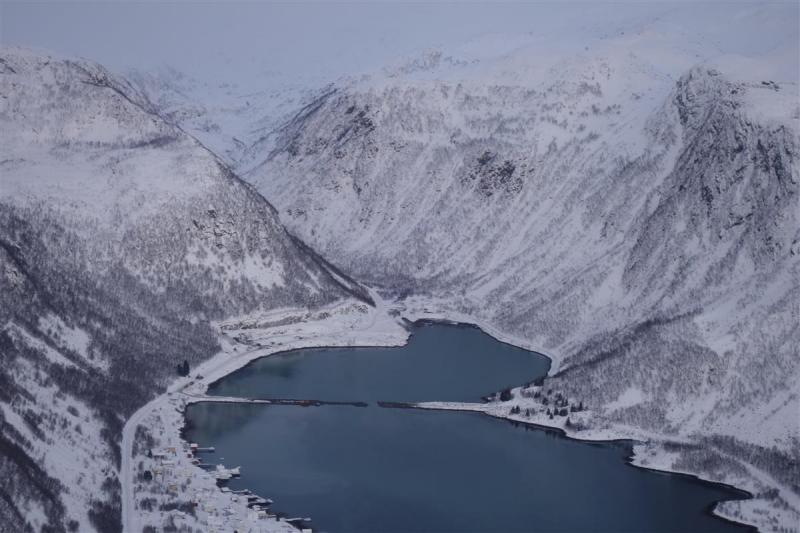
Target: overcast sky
x,y
282,36
323,39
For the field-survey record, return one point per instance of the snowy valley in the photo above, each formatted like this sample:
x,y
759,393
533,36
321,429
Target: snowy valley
x,y
636,222
626,203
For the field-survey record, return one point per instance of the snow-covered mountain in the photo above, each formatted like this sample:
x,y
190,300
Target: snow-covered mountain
x,y
227,117
122,238
630,207
623,198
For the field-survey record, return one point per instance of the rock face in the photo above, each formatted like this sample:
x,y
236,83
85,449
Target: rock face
x,y
642,230
121,239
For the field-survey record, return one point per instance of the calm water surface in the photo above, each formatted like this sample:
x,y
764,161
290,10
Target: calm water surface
x,y
440,362
370,469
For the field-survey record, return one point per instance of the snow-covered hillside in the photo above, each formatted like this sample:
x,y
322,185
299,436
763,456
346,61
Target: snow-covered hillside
x,y
629,206
227,117
121,239
622,196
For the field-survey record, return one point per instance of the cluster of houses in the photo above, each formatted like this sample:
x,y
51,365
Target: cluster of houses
x,y
203,495
220,511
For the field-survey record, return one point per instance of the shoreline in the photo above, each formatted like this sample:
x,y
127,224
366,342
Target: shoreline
x,y
435,310
368,335
348,323
628,461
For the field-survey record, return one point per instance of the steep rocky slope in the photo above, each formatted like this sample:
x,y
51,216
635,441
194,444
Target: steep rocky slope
x,y
631,216
122,239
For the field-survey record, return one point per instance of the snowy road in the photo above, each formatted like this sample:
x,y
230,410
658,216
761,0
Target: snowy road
x,y
127,468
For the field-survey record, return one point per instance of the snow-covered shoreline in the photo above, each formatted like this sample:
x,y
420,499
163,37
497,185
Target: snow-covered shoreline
x,y
649,449
344,324
354,324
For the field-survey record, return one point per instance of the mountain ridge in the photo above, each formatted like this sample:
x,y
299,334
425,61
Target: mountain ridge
x,y
629,208
122,239
639,228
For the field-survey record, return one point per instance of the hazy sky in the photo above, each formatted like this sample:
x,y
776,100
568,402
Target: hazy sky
x,y
282,36
292,38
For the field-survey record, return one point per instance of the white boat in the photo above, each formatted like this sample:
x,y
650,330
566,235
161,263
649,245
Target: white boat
x,y
222,473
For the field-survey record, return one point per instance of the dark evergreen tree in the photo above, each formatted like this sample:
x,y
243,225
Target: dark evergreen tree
x,y
183,368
